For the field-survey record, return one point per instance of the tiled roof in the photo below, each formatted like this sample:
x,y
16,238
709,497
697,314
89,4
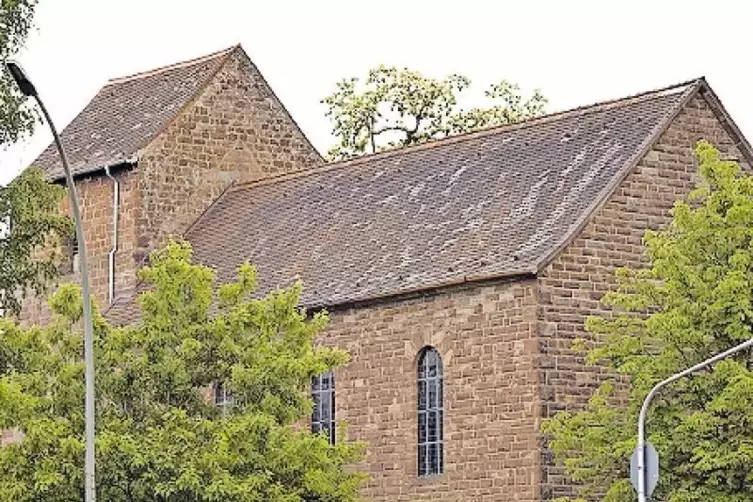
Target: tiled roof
x,y
499,202
126,114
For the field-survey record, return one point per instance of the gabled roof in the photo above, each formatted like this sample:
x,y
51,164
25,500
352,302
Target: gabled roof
x,y
127,113
498,202
495,203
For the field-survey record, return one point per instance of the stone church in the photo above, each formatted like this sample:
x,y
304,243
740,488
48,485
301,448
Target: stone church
x,y
456,272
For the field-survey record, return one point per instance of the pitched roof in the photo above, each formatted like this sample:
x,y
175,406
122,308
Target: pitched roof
x,y
492,203
127,113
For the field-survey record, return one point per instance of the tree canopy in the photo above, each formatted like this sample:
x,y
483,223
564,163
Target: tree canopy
x,y
16,119
29,206
695,300
159,437
394,108
32,225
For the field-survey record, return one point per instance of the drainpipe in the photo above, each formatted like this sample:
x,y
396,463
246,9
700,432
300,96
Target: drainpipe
x,y
114,247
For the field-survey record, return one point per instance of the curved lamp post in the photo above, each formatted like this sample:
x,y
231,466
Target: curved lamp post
x,y
641,448
28,89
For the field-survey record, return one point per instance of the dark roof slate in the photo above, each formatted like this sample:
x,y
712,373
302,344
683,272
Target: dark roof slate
x,y
494,203
126,114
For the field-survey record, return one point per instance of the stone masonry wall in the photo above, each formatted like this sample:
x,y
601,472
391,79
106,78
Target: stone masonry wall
x,y
235,131
572,285
95,196
486,337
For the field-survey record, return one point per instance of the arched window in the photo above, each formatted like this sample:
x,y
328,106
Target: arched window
x,y
323,394
223,397
430,411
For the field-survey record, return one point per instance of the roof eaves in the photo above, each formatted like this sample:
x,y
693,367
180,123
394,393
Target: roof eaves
x,y
693,88
87,171
424,289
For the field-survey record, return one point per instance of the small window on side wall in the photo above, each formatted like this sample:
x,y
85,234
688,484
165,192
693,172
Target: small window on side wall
x,y
323,395
70,260
223,398
430,413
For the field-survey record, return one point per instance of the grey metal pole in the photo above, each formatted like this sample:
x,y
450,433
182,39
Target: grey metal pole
x,y
642,497
27,88
89,480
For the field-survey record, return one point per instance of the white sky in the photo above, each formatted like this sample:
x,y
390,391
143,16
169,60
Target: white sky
x,y
576,51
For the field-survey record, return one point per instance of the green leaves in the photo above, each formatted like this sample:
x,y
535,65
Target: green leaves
x,y
159,435
693,302
397,108
16,117
31,205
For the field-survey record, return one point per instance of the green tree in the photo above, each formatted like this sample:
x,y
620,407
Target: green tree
x,y
159,436
396,108
692,302
31,226
28,205
16,119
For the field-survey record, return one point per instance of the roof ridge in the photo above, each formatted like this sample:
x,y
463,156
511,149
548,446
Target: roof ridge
x,y
172,66
550,117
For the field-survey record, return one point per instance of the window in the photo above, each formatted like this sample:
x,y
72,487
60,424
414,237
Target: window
x,y
74,254
430,433
223,397
323,394
70,262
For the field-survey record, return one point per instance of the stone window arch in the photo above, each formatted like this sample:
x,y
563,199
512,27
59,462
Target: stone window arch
x,y
430,413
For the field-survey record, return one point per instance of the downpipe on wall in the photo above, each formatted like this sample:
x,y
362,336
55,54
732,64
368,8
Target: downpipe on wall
x,y
114,246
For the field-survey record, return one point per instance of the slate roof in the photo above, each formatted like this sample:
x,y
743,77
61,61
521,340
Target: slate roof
x,y
495,203
498,202
126,114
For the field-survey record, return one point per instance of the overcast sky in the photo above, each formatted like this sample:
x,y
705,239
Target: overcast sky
x,y
577,52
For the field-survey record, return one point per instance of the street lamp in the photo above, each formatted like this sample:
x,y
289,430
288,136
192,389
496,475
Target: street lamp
x,y
640,450
28,89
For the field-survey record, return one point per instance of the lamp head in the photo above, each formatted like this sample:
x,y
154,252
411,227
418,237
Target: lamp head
x,y
23,82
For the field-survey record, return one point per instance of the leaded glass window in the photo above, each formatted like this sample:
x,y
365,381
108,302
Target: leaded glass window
x,y
223,397
323,394
430,413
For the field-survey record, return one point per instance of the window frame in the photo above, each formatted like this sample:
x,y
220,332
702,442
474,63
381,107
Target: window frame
x,y
223,398
429,413
323,419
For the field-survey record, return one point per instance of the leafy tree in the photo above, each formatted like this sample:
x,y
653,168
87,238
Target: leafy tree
x,y
29,203
16,18
396,108
29,212
159,436
694,301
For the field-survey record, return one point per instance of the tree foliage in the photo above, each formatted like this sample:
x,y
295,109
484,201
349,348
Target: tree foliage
x,y
159,437
29,203
16,119
29,212
694,301
397,108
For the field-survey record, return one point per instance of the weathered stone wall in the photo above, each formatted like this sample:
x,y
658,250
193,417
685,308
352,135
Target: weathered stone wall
x,y
505,345
485,335
235,131
573,284
95,197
